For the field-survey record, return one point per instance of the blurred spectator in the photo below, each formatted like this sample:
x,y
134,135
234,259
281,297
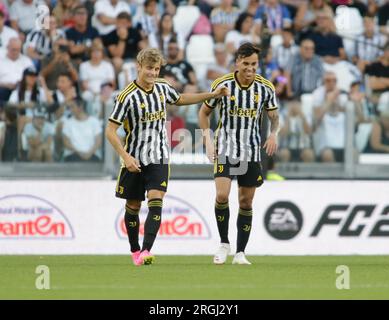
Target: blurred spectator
x,y
328,44
23,14
57,64
63,96
101,106
181,69
383,18
95,72
295,140
82,135
330,119
223,18
39,42
12,65
80,36
221,65
190,116
274,15
63,12
305,70
378,73
10,139
148,22
124,42
6,33
65,93
364,109
379,138
29,96
39,135
106,11
166,33
369,45
272,70
177,125
243,32
307,14
285,51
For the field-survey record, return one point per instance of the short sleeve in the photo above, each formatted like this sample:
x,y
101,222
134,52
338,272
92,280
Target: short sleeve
x,y
271,102
120,108
172,95
212,103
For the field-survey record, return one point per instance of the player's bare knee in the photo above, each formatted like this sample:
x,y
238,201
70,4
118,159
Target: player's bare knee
x,y
134,204
222,197
155,194
245,202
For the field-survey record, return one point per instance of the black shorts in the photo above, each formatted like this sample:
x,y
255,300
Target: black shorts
x,y
132,186
249,174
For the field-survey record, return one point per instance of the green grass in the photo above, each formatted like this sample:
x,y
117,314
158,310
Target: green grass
x,y
194,277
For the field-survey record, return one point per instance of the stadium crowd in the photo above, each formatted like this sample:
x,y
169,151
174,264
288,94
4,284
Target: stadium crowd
x,y
63,61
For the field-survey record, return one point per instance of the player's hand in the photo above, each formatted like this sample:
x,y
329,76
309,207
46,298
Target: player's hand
x,y
210,150
132,164
221,92
271,144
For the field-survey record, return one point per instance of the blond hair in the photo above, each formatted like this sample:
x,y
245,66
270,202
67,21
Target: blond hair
x,y
150,56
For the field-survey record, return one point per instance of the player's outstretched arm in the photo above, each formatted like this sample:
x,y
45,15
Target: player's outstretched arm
x,y
271,143
192,98
204,125
130,162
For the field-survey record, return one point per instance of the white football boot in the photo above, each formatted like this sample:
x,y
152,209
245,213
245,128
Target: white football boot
x,y
240,258
222,254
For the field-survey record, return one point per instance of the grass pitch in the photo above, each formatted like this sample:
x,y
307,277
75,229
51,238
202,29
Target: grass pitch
x,y
194,277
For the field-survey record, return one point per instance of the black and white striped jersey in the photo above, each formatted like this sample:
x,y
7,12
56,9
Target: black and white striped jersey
x,y
143,115
238,135
39,40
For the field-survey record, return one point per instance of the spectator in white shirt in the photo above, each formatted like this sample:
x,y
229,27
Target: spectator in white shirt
x,y
39,135
106,11
330,119
24,14
82,135
12,65
243,32
96,71
6,32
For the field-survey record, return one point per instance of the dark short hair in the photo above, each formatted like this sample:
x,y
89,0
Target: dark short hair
x,y
124,15
246,50
147,2
65,74
242,17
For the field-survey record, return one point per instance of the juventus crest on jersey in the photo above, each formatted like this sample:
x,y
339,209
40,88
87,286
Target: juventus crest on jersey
x,y
143,115
238,135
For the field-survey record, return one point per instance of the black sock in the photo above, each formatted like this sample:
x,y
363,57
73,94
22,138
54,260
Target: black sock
x,y
153,221
245,218
131,220
222,213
